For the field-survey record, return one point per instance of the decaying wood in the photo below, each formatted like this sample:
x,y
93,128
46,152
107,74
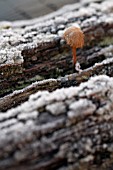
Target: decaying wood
x,y
14,99
36,47
66,129
70,128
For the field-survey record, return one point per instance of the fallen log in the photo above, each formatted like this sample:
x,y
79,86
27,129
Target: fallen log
x,y
70,128
66,129
33,50
19,96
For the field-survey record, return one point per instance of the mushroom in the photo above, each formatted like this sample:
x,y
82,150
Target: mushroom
x,y
75,38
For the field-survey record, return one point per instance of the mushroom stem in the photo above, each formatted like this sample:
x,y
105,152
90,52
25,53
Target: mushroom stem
x,y
74,55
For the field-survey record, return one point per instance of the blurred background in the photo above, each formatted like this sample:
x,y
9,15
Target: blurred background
x,y
27,9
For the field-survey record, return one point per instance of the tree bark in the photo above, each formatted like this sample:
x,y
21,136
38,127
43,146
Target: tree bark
x,y
35,50
67,129
70,128
19,96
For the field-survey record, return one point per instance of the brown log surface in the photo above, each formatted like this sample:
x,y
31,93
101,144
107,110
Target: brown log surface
x,y
34,50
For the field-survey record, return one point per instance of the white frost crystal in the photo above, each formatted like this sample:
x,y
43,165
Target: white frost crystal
x,y
9,51
2,56
13,41
56,108
107,6
15,36
28,115
57,102
81,107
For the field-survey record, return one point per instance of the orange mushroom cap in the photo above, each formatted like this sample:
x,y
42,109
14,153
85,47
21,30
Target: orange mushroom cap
x,y
74,37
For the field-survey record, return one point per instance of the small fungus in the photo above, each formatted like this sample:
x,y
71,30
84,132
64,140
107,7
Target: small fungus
x,y
75,38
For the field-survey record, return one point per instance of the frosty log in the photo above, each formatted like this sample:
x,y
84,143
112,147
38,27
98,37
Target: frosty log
x,y
66,129
34,50
19,96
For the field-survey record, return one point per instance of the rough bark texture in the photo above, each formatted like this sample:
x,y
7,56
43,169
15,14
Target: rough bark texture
x,y
66,129
19,96
34,50
70,128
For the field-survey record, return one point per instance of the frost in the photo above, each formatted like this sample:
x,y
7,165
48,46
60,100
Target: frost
x,y
86,11
95,5
75,25
56,108
82,103
100,78
70,92
88,158
109,19
18,127
16,36
7,115
90,21
9,53
37,95
14,40
106,61
107,51
2,56
57,95
28,115
81,107
8,123
107,6
60,33
60,20
55,102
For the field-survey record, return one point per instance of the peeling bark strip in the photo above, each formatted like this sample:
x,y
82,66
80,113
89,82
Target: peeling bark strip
x,y
35,47
67,129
